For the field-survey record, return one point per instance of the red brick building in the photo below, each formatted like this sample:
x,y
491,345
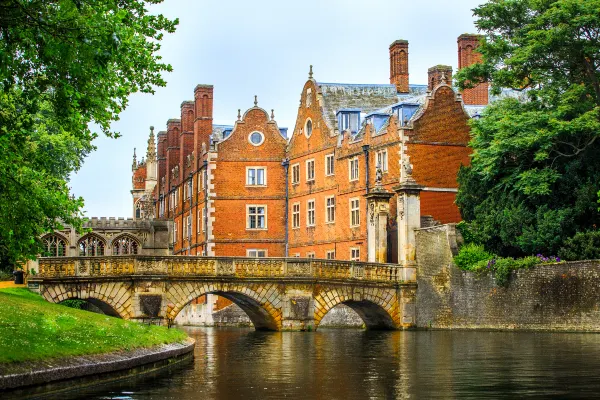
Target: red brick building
x,y
248,190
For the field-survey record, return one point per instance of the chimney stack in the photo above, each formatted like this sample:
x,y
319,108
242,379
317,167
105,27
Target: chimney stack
x,y
399,65
437,75
467,55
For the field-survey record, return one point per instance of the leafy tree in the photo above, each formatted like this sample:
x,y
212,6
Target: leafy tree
x,y
64,65
533,179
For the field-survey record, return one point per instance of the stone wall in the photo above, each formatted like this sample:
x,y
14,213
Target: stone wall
x,y
562,297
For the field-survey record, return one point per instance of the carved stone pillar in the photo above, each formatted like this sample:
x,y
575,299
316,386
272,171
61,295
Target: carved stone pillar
x,y
409,216
378,203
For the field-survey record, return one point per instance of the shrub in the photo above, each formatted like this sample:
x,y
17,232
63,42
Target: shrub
x,y
73,303
470,255
582,246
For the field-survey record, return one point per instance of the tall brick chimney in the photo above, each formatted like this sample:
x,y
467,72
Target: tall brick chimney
x,y
399,65
203,100
439,74
467,56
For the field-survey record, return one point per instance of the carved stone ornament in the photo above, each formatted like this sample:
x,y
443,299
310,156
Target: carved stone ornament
x,y
225,267
372,213
298,268
401,208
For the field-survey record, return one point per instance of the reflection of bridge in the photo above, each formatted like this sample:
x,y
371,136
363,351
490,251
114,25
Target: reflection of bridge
x,y
276,293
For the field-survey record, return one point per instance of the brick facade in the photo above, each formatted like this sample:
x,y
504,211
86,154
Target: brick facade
x,y
342,132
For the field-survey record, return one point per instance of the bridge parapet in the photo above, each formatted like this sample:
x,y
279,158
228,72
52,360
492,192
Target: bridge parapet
x,y
234,267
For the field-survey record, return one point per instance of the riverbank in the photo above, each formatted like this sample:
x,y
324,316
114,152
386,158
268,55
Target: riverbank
x,y
53,342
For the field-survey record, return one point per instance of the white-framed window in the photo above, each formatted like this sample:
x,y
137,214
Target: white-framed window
x,y
176,197
353,168
310,254
256,217
171,200
200,225
330,209
185,191
354,211
188,227
308,97
355,254
296,215
256,176
295,173
256,253
175,231
256,138
330,254
310,212
200,181
329,165
297,255
381,159
190,188
310,170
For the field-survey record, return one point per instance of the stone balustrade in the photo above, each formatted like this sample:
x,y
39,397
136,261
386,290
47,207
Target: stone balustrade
x,y
238,267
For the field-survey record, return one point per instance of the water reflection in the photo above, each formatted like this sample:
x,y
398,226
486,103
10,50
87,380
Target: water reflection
x,y
354,364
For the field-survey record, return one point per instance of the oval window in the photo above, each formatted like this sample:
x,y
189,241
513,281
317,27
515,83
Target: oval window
x,y
256,138
308,128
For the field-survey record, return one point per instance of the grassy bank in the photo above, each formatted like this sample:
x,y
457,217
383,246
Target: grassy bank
x,y
33,329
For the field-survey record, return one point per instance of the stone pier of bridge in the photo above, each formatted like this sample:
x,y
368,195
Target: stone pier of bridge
x,y
276,293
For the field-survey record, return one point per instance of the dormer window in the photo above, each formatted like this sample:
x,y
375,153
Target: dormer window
x,y
404,112
377,120
348,120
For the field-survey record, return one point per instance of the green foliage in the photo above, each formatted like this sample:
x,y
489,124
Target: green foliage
x,y
473,257
64,65
34,329
466,232
73,303
470,255
582,246
532,182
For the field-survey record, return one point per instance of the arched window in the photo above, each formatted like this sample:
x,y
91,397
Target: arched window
x,y
124,245
138,210
91,245
55,246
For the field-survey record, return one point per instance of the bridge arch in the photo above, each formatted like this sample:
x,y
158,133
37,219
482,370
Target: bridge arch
x,y
377,307
113,298
261,302
104,307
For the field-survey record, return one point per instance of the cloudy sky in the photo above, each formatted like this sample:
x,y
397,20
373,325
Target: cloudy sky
x,y
265,47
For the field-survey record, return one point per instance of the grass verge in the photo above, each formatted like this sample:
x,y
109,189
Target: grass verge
x,y
34,329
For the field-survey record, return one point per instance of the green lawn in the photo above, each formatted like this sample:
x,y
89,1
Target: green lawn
x,y
33,329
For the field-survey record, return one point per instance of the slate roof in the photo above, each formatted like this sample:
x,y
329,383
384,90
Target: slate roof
x,y
367,98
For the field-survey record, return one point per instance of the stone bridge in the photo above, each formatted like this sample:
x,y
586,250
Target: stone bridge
x,y
276,293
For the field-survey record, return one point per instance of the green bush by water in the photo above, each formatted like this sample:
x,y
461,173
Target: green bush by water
x,y
34,329
473,257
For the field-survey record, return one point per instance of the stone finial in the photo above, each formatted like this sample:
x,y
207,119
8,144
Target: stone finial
x,y
443,78
239,114
134,165
272,114
255,100
310,73
151,152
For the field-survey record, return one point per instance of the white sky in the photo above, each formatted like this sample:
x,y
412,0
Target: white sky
x,y
265,47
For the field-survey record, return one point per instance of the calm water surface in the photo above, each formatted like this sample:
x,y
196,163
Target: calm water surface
x,y
355,364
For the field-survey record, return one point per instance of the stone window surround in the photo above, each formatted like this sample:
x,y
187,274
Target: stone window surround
x,y
354,203
257,253
329,165
330,206
310,170
256,215
310,212
295,216
256,169
353,169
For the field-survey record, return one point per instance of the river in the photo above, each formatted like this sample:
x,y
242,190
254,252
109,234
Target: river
x,y
236,363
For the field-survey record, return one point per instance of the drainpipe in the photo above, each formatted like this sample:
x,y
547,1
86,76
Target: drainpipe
x,y
286,165
205,166
365,149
